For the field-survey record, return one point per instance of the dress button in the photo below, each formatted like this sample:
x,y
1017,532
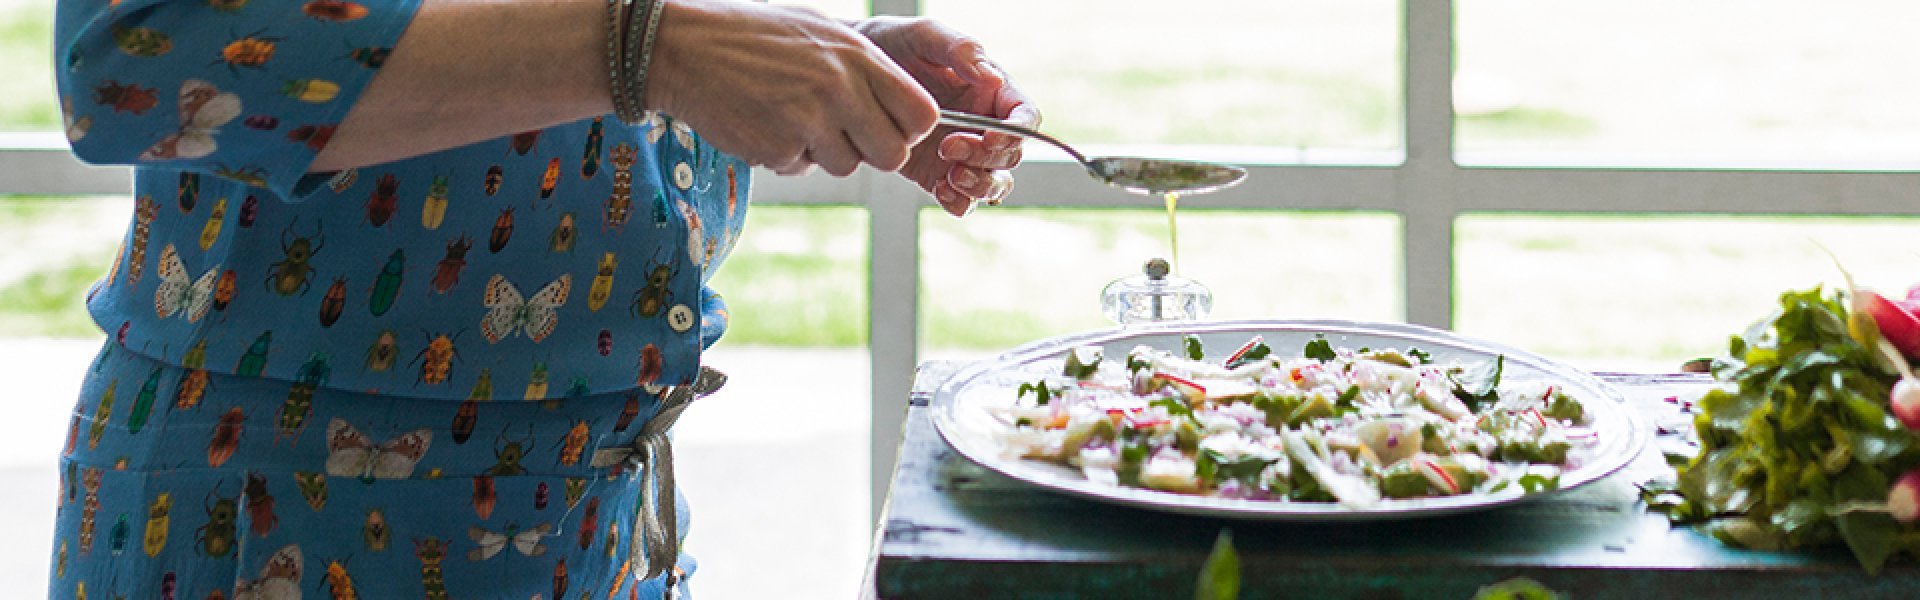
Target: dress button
x,y
682,176
680,318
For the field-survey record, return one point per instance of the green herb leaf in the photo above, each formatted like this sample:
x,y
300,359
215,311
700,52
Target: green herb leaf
x,y
1426,358
1215,467
1479,385
1136,363
1082,362
1257,352
1039,389
1535,483
1320,349
1803,431
1518,588
1192,344
1179,409
1871,537
1220,575
1347,397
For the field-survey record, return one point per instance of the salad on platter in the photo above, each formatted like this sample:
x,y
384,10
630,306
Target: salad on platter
x,y
1361,427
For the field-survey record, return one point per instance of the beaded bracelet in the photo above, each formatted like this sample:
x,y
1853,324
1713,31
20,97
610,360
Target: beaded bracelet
x,y
617,77
643,24
631,40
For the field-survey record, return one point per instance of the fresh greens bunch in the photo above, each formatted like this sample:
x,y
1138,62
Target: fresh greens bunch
x,y
1802,450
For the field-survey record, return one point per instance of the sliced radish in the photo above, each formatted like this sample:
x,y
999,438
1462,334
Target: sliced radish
x,y
1903,501
1244,348
1436,476
1186,388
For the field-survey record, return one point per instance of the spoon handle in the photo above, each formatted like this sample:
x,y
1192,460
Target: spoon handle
x,y
973,121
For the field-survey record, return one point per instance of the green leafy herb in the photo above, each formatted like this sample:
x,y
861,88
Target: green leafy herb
x,y
1178,409
1320,349
1518,588
1871,536
1192,344
1220,575
1479,385
1802,433
1214,467
1082,362
1534,483
1040,390
1425,358
1345,401
1564,407
1136,362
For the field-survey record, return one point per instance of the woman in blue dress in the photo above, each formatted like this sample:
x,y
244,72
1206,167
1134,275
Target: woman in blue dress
x,y
404,310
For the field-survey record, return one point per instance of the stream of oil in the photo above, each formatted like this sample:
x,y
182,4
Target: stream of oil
x,y
1173,231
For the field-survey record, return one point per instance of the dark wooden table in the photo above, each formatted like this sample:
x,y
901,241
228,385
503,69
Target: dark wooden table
x,y
951,529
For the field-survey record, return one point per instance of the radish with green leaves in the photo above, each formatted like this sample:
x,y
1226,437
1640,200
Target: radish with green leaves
x,y
1897,320
1903,501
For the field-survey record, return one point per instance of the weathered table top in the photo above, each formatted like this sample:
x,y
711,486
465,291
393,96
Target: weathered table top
x,y
951,529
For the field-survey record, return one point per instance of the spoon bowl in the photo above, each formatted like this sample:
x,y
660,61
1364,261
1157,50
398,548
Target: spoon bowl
x,y
1151,176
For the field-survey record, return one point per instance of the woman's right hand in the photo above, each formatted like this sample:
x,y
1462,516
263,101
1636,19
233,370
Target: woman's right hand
x,y
785,88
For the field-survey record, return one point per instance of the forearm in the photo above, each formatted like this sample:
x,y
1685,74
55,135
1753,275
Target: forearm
x,y
472,70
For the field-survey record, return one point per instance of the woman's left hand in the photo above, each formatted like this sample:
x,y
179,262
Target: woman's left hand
x,y
959,167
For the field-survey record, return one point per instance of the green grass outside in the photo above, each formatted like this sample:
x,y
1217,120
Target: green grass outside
x,y
26,76
47,303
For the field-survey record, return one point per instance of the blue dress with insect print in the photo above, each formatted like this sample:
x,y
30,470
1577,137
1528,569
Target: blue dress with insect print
x,y
384,382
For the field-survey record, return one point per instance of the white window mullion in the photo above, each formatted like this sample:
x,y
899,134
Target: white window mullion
x,y
1429,201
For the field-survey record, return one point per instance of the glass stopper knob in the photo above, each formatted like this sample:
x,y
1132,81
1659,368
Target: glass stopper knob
x,y
1155,295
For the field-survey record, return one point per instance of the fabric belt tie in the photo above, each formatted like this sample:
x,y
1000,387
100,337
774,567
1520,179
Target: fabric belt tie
x,y
653,452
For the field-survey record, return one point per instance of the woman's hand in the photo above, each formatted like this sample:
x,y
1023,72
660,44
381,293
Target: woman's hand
x,y
957,167
785,87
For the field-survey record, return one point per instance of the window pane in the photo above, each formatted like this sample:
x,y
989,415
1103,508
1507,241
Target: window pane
x,y
1298,74
797,278
1646,293
1708,83
1007,276
27,101
57,247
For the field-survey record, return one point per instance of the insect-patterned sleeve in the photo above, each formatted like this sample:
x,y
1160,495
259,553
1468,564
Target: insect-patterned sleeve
x,y
250,89
713,317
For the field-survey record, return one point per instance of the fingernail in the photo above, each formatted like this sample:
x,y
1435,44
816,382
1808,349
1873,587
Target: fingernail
x,y
965,178
1003,158
954,149
983,68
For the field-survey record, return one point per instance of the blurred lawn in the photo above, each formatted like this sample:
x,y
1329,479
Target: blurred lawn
x,y
26,75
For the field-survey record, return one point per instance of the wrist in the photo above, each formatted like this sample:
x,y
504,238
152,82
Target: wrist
x,y
679,19
871,26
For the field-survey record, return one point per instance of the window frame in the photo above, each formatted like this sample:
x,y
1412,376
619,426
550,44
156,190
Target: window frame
x,y
1426,187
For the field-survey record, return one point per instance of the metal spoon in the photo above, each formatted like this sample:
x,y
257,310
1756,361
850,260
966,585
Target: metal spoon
x,y
1153,176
